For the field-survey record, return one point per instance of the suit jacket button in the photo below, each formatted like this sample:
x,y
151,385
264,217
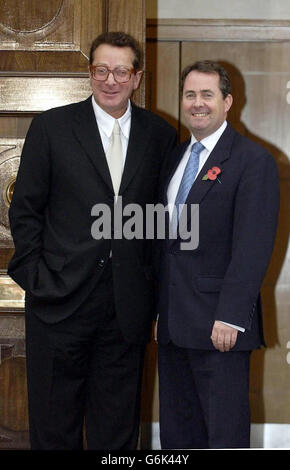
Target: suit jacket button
x,y
101,263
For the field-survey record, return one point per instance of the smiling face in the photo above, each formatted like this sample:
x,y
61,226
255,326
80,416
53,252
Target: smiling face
x,y
203,105
111,96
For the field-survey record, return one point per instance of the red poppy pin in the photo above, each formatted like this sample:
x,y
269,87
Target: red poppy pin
x,y
212,174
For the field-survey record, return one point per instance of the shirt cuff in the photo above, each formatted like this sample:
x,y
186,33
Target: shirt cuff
x,y
234,326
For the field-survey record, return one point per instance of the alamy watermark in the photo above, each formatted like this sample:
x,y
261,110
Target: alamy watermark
x,y
150,223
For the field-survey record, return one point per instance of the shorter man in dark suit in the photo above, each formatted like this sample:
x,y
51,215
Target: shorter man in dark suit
x,y
210,314
89,300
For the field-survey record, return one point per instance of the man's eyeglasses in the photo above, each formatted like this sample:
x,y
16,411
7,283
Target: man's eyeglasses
x,y
121,74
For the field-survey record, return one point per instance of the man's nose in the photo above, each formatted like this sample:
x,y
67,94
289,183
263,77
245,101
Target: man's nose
x,y
110,78
198,101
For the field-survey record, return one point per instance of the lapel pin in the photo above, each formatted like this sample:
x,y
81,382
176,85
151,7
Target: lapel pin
x,y
212,174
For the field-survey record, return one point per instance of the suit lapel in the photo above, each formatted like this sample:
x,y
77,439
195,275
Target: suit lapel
x,y
87,133
138,141
218,157
172,165
220,153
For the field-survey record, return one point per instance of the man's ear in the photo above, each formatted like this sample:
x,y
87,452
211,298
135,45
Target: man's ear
x,y
137,79
228,102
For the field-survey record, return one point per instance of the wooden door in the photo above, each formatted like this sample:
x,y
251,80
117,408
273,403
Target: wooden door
x,y
44,48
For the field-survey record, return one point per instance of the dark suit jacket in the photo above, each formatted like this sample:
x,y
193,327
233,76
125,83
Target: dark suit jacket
x,y
221,278
63,173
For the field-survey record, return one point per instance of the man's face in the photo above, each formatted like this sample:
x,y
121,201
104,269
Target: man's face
x,y
111,96
203,105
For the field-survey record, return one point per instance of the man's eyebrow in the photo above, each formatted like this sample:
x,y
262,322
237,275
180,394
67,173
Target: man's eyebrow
x,y
201,91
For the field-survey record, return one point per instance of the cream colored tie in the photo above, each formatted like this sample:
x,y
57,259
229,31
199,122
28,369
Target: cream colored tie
x,y
115,158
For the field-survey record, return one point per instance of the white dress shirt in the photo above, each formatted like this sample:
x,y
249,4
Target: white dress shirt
x,y
209,143
106,123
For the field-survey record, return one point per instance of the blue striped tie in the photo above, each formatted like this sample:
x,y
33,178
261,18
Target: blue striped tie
x,y
188,178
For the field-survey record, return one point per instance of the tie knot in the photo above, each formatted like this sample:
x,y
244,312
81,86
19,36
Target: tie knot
x,y
197,147
116,128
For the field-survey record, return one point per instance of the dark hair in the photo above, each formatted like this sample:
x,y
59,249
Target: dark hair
x,y
209,66
118,39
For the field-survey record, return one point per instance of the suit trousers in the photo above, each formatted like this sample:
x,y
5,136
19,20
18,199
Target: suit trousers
x,y
83,375
204,398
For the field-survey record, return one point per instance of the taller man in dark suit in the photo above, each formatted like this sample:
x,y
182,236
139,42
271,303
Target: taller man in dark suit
x,y
210,314
89,299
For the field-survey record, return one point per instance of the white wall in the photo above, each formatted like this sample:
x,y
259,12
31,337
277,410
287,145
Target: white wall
x,y
215,9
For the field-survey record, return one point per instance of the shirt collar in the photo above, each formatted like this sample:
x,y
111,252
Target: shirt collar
x,y
210,141
106,121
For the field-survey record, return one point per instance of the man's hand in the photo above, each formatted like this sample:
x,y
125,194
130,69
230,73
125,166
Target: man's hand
x,y
223,337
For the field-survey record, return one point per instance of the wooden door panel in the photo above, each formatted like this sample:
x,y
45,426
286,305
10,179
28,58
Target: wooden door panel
x,y
58,25
41,92
256,53
260,75
162,76
129,16
44,51
13,392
